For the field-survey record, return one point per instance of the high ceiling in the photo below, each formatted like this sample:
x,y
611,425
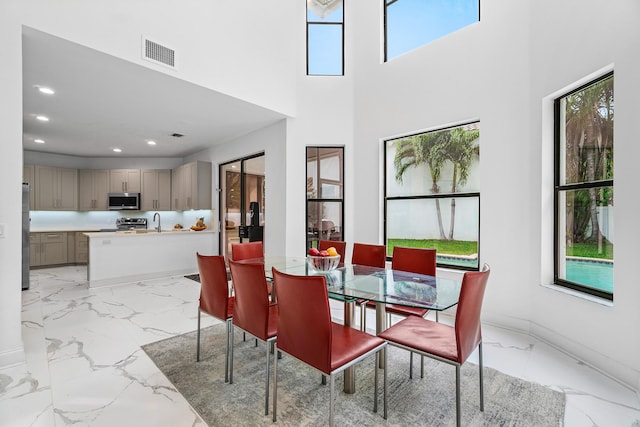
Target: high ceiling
x,y
102,102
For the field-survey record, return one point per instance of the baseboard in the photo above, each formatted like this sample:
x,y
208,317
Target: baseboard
x,y
139,278
613,369
12,358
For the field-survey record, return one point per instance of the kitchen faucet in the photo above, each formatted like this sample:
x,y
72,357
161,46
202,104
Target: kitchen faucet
x,y
157,214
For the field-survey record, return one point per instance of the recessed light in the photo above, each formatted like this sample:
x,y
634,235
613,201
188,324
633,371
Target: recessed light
x,y
151,142
46,90
117,150
39,141
42,118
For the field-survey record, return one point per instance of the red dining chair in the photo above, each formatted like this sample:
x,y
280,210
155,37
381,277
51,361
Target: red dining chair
x,y
449,344
250,250
214,298
310,336
413,260
370,256
253,312
340,246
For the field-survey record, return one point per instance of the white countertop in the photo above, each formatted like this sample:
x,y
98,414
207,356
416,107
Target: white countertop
x,y
148,232
63,230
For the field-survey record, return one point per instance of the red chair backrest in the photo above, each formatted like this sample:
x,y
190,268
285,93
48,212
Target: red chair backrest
x,y
369,255
251,305
414,260
340,246
467,325
214,288
250,250
304,319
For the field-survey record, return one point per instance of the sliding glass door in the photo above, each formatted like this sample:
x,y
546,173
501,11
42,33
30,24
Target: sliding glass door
x,y
242,201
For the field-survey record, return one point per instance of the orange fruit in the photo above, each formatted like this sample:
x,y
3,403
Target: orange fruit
x,y
332,251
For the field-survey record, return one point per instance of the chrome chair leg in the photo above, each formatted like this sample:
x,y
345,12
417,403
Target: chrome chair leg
x,y
275,385
458,412
384,381
231,357
198,339
376,361
481,377
229,343
266,389
332,381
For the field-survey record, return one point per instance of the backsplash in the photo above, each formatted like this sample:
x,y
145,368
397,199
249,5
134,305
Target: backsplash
x,y
68,220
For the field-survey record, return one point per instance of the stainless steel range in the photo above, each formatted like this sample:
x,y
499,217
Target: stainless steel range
x,y
126,223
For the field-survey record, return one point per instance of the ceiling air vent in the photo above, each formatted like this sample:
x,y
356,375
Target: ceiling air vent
x,y
155,52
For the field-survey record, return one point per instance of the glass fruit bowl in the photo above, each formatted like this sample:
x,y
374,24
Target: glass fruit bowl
x,y
323,263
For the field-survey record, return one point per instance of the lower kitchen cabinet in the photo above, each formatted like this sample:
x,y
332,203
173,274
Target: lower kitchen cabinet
x,y
48,249
81,248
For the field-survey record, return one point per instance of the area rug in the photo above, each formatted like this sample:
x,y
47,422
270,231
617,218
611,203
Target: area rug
x,y
303,400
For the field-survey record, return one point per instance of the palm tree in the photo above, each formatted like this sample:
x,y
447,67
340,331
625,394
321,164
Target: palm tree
x,y
417,150
461,150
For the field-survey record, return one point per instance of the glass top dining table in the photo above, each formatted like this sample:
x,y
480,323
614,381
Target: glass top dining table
x,y
350,283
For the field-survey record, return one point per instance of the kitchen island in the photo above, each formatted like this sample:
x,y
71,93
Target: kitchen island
x,y
130,256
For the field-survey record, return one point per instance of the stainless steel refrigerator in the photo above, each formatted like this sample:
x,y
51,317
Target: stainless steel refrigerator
x,y
25,236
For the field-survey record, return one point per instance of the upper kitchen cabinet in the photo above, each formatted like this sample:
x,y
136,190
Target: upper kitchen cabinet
x,y
29,176
191,185
124,181
94,188
156,190
55,189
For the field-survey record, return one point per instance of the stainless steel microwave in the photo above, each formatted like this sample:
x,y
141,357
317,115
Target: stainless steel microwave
x,y
124,201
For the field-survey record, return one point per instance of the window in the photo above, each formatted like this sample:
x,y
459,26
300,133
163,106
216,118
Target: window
x,y
409,24
325,206
325,37
584,189
432,197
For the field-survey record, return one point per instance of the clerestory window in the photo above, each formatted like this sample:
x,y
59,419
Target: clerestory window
x,y
325,37
409,24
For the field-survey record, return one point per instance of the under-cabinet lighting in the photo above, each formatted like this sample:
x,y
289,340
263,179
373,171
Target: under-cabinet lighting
x,y
39,141
151,142
117,150
46,90
42,118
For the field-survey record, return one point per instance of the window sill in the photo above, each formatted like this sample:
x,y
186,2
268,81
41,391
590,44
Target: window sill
x,y
581,295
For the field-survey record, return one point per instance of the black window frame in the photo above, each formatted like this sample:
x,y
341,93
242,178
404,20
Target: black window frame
x,y
319,200
431,197
385,5
558,188
314,23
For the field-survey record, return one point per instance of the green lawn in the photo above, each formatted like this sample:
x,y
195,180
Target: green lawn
x,y
453,247
590,250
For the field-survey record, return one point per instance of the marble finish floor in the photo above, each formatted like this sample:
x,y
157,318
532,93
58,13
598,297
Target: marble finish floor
x,y
85,366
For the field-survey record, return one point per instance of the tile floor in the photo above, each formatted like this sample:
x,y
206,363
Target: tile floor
x,y
85,366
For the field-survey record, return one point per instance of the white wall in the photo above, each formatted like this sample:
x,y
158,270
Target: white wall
x,y
241,48
271,141
602,39
500,71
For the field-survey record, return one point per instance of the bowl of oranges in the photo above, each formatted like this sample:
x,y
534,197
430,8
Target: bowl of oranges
x,y
321,261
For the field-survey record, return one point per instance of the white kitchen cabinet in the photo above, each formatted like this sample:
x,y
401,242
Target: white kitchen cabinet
x,y
192,186
56,189
93,187
156,190
124,181
48,248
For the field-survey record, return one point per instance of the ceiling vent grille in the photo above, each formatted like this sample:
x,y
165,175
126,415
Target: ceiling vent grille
x,y
157,53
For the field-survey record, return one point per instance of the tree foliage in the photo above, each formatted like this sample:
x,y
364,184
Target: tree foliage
x,y
457,147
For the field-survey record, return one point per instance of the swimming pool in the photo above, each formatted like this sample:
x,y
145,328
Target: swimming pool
x,y
596,274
